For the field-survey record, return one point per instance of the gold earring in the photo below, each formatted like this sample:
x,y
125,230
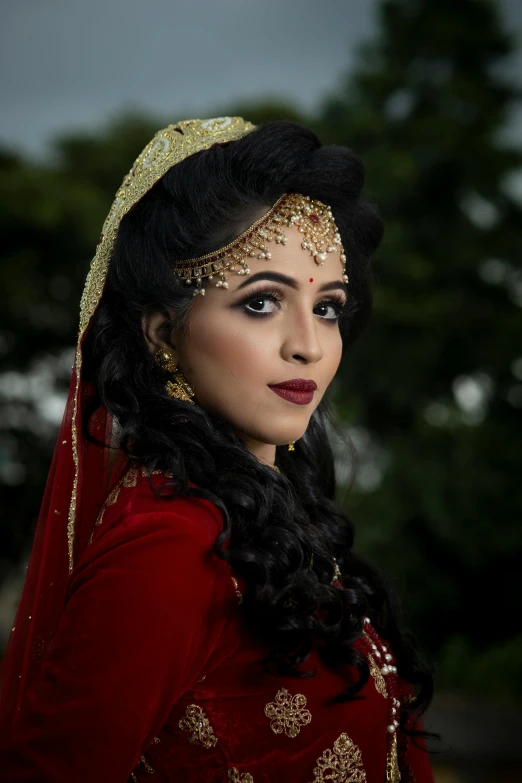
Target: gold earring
x,y
291,446
179,388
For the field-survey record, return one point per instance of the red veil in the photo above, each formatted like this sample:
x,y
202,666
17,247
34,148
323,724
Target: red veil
x,y
82,473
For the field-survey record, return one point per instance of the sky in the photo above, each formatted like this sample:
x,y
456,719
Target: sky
x,y
73,64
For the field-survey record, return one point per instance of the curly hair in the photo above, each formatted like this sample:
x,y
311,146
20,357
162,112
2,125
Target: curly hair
x,y
273,522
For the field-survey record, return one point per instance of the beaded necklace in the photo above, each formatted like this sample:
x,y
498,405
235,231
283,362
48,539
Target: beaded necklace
x,y
384,671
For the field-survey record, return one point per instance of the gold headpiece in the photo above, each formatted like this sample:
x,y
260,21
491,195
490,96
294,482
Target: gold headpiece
x,y
313,219
169,146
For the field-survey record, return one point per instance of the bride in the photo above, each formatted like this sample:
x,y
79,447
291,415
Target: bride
x,y
194,607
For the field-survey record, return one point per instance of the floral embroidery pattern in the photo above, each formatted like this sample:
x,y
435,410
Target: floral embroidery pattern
x,y
287,713
235,777
342,765
380,683
196,723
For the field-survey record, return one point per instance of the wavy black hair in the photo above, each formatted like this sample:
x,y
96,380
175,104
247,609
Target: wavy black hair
x,y
273,521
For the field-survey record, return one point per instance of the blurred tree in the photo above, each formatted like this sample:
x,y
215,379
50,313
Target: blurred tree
x,y
50,217
435,386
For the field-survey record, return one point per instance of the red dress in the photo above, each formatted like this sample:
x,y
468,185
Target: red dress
x,y
151,672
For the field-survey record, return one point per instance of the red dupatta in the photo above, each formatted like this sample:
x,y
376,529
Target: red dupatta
x,y
82,473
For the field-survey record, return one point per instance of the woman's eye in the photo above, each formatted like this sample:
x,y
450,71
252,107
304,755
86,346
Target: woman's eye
x,y
257,304
266,304
334,306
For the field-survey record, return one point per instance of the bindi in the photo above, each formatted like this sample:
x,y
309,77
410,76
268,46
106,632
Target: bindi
x,y
311,279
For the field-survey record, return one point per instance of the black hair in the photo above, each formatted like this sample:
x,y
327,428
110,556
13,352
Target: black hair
x,y
274,522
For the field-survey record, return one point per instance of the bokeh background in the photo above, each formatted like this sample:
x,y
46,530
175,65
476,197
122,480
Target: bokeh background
x,y
428,93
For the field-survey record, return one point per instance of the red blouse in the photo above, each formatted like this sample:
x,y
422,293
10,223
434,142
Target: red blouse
x,y
151,672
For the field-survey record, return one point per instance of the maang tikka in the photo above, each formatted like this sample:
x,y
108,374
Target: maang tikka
x,y
179,388
311,217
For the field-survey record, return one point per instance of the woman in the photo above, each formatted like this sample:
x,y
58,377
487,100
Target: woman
x,y
193,607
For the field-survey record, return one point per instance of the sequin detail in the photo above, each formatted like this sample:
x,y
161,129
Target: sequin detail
x,y
393,774
236,777
238,591
146,765
130,479
343,764
287,713
196,723
380,682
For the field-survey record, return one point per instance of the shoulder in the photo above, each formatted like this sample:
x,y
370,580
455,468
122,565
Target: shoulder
x,y
135,502
138,530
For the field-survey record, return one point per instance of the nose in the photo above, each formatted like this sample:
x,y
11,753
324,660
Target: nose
x,y
302,338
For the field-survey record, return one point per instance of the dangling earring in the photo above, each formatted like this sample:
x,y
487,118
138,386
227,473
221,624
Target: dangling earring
x,y
178,388
291,446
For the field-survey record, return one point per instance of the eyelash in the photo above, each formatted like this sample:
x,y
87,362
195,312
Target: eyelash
x,y
338,303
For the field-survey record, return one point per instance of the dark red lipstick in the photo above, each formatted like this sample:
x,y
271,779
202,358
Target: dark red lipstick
x,y
297,390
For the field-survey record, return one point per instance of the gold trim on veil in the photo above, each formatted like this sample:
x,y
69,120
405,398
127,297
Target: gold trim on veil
x,y
169,146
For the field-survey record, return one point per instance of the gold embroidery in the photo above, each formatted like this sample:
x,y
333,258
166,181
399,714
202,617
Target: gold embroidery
x,y
342,765
287,713
146,764
238,591
198,726
130,479
337,576
380,682
134,778
145,472
393,774
235,777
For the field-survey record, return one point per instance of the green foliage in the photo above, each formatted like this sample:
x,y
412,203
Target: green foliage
x,y
432,393
436,381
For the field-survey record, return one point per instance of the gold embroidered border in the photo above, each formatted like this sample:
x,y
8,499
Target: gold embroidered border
x,y
130,479
144,763
393,773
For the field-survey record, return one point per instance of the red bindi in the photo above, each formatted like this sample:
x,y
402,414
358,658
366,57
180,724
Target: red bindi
x,y
311,279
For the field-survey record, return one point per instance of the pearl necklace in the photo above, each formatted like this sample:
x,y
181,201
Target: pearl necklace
x,y
386,667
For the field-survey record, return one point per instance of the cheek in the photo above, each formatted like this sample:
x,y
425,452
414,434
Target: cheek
x,y
222,348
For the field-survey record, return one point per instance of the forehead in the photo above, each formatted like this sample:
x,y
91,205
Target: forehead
x,y
290,259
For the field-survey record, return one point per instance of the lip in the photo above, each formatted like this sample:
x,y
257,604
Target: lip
x,y
296,384
298,390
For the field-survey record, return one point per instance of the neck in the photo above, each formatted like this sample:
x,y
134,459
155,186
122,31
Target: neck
x,y
263,452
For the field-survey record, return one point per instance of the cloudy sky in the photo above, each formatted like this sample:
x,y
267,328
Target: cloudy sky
x,y
68,64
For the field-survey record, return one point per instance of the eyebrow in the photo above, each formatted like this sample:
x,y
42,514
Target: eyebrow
x,y
277,277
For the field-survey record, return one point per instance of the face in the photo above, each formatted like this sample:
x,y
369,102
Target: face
x,y
275,325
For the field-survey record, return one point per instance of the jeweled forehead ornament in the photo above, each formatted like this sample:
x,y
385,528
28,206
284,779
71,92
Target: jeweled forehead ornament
x,y
312,218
